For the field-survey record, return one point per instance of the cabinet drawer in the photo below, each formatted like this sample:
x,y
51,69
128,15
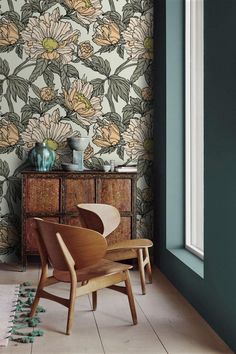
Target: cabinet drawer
x,y
78,191
42,195
116,192
123,232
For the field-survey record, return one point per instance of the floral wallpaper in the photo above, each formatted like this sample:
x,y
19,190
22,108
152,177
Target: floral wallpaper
x,y
74,68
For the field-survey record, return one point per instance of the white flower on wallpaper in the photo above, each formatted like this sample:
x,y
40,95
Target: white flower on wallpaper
x,y
48,129
79,98
138,138
139,37
87,11
48,37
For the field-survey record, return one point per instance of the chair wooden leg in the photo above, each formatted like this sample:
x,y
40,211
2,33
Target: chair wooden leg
x,y
70,317
40,287
34,305
148,264
94,298
141,270
131,298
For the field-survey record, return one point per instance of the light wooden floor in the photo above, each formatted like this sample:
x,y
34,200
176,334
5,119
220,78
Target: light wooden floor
x,y
166,323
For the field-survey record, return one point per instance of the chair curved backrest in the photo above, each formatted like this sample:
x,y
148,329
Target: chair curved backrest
x,y
103,218
85,246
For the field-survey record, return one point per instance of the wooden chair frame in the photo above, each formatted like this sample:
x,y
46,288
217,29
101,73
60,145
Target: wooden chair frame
x,y
105,218
90,277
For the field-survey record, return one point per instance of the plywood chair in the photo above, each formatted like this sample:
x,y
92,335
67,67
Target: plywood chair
x,y
105,218
76,255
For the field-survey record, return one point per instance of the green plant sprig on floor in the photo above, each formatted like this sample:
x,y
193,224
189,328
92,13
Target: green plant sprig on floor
x,y
21,316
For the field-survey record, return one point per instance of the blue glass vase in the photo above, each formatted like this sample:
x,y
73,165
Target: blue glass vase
x,y
42,157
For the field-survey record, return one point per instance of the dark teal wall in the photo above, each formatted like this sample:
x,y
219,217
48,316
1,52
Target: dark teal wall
x,y
215,295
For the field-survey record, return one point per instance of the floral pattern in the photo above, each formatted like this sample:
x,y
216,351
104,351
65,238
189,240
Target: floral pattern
x,y
87,11
138,138
49,38
80,99
48,129
106,33
139,38
74,68
9,33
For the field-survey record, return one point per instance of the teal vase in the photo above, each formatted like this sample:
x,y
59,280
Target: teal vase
x,y
42,157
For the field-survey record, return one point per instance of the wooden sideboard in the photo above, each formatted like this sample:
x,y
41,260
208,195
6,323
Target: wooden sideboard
x,y
54,195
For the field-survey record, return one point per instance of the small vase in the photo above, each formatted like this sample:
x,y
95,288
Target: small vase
x,y
42,157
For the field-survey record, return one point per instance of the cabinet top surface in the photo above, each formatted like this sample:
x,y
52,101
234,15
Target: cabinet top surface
x,y
81,173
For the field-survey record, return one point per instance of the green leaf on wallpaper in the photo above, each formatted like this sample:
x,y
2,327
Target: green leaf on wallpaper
x,y
26,114
12,16
98,64
35,90
113,16
115,118
73,17
6,48
19,51
143,166
26,13
18,87
107,48
112,116
4,67
70,71
19,152
35,4
139,193
48,77
137,90
120,87
97,162
98,87
41,65
14,188
120,152
54,67
34,103
128,113
47,4
1,87
148,176
128,12
4,169
65,82
1,188
12,117
120,51
149,75
46,106
107,150
136,5
140,69
147,5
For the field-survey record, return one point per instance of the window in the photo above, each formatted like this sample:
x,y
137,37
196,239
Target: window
x,y
194,140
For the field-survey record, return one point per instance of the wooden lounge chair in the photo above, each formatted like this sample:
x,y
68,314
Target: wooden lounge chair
x,y
76,255
105,219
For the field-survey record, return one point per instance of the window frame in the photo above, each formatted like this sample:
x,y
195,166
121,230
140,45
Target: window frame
x,y
194,127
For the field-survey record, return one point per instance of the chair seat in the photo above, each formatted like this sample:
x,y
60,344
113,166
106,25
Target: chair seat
x,y
101,268
129,244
